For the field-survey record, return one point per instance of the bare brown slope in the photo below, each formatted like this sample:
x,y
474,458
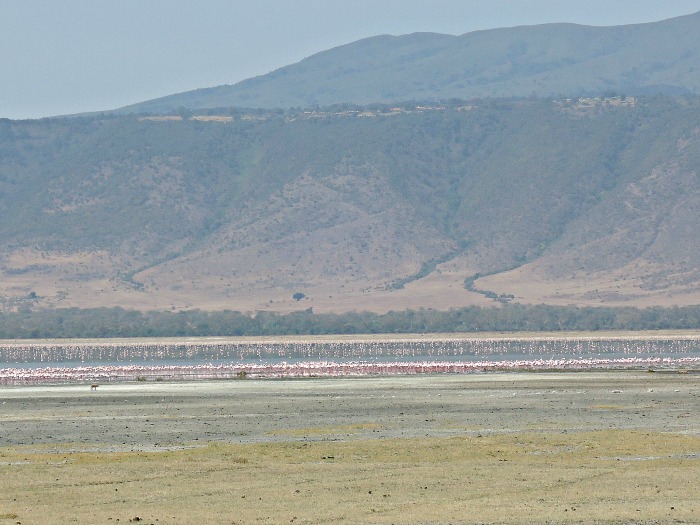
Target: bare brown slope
x,y
341,240
641,246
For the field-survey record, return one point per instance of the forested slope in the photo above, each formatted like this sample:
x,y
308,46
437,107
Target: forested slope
x,y
376,207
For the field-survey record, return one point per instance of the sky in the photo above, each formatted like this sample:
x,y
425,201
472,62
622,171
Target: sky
x,y
61,57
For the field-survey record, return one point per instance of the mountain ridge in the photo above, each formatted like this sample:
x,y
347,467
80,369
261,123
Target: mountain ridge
x,y
542,60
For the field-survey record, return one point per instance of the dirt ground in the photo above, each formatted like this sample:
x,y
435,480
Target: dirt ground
x,y
585,447
153,415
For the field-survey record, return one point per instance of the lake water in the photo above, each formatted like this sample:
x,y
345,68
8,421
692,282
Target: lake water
x,y
202,359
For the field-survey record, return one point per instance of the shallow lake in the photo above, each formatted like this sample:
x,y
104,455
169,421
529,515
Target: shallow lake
x,y
211,359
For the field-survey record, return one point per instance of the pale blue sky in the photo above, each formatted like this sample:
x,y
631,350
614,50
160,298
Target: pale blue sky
x,y
69,56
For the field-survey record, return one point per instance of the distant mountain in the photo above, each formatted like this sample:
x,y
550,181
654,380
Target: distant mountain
x,y
574,201
543,60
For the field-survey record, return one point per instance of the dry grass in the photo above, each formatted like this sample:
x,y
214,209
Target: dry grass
x,y
502,448
595,477
625,287
64,279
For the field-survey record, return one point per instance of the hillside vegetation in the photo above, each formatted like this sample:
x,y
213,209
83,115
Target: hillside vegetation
x,y
544,60
586,202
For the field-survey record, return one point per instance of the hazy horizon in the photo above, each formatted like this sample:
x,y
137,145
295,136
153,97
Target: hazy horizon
x,y
92,55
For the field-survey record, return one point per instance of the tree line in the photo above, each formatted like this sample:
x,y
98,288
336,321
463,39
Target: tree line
x,y
119,322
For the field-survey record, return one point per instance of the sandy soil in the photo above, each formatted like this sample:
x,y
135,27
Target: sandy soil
x,y
150,415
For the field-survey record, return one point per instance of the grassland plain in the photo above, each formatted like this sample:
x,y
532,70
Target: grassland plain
x,y
588,447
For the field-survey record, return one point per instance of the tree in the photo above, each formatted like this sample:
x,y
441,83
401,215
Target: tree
x,y
298,296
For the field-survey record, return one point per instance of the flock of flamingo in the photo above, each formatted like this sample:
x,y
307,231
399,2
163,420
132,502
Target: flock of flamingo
x,y
110,361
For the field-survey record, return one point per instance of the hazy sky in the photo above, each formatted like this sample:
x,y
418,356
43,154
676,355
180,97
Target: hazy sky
x,y
68,56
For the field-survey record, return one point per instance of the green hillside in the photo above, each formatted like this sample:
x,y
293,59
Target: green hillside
x,y
372,207
544,60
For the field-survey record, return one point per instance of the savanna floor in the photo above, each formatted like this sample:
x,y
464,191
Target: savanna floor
x,y
588,447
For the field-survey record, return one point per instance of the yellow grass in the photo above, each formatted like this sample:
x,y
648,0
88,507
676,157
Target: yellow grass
x,y
616,476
